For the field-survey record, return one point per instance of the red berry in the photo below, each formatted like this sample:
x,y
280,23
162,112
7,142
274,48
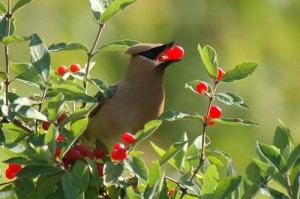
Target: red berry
x,y
205,120
202,87
119,146
57,152
62,70
10,174
99,152
15,167
170,192
73,154
67,162
61,118
175,53
46,125
220,74
74,68
215,112
128,138
100,169
119,154
85,151
60,138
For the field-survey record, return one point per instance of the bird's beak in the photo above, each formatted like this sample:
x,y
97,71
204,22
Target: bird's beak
x,y
157,52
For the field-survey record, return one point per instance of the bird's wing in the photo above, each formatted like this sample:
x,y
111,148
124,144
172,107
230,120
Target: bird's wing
x,y
102,100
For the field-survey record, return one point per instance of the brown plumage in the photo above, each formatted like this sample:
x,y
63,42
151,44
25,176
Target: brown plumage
x,y
136,99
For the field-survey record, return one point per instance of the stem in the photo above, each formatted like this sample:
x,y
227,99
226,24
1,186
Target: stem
x,y
6,51
91,54
40,108
287,178
5,183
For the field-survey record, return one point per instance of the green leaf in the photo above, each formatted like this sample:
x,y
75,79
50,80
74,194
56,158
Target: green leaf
x,y
230,170
241,71
294,157
179,158
270,192
226,186
234,122
114,8
209,58
119,45
72,92
171,115
14,39
55,106
131,194
34,171
75,182
8,194
13,133
26,73
50,140
27,112
24,188
3,27
161,152
272,154
137,166
171,152
67,46
24,161
20,4
77,128
98,7
101,85
272,171
149,128
40,57
3,75
282,137
46,184
154,186
210,180
78,114
252,181
112,172
192,187
295,181
2,7
231,99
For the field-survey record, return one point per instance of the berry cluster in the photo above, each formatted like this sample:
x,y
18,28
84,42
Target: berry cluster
x,y
120,152
12,170
74,68
202,89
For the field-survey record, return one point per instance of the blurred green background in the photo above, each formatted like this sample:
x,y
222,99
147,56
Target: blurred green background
x,y
266,31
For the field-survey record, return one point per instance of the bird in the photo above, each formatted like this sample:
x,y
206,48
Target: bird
x,y
136,99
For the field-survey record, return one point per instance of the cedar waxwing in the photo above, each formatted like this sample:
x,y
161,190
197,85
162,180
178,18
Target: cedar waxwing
x,y
136,99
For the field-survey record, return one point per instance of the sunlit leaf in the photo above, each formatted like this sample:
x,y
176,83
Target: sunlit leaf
x,y
241,71
3,27
226,186
154,186
14,39
120,45
112,172
231,99
40,57
114,8
20,4
67,47
98,7
101,85
171,152
137,166
294,157
193,84
270,192
2,7
149,128
171,115
234,122
55,106
34,171
210,180
209,58
282,138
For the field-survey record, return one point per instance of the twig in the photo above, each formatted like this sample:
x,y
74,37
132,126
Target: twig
x,y
6,51
91,54
37,122
5,183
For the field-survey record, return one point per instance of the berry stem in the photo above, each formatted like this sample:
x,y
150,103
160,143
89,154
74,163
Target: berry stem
x,y
90,55
204,127
37,122
6,51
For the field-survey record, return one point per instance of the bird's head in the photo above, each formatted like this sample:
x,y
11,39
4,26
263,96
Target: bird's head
x,y
152,55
